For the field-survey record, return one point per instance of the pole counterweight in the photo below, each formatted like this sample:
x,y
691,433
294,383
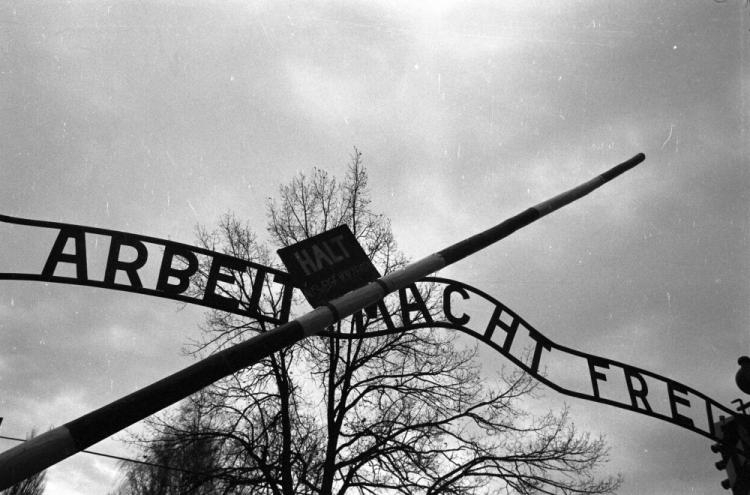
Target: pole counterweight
x,y
55,445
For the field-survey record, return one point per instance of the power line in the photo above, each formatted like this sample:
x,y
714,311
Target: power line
x,y
126,459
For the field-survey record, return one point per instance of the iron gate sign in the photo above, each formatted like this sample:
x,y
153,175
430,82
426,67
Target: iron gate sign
x,y
499,327
227,283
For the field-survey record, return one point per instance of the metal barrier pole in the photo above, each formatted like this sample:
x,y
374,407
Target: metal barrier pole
x,y
51,447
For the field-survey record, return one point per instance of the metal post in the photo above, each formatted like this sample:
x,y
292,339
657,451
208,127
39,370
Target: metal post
x,y
55,445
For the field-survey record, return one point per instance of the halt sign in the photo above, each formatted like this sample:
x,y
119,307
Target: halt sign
x,y
328,265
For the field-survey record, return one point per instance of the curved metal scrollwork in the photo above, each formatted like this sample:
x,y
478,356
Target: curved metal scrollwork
x,y
459,306
172,265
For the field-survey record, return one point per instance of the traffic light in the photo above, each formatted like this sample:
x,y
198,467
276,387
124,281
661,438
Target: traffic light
x,y
734,447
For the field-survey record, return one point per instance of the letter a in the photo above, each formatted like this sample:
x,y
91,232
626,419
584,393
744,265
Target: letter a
x,y
78,258
306,262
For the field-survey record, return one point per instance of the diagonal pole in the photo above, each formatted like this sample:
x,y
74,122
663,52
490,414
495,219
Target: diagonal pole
x,y
59,443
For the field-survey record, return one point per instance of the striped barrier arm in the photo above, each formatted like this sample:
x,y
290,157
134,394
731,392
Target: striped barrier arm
x,y
51,447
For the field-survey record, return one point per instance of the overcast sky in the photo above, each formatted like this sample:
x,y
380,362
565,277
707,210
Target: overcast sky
x,y
151,117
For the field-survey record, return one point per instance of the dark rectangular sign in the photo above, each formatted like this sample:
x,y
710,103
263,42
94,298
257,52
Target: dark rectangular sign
x,y
328,265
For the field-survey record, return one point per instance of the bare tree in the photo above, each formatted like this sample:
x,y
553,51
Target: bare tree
x,y
408,412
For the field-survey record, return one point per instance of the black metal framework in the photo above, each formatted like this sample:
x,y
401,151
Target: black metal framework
x,y
504,330
499,332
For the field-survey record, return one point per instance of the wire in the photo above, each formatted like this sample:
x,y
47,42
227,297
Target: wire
x,y
111,456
